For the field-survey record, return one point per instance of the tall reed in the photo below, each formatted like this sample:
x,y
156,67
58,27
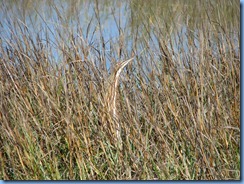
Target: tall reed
x,y
175,110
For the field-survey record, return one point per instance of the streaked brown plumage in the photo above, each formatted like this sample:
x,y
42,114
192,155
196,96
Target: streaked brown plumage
x,y
110,98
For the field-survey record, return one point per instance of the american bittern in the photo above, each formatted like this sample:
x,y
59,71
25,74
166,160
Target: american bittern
x,y
110,98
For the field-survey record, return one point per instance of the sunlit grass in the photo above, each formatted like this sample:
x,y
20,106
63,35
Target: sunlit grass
x,y
178,108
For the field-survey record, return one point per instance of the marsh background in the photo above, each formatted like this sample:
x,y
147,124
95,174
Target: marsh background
x,y
178,101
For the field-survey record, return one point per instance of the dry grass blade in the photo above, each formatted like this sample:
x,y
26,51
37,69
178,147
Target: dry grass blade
x,y
64,114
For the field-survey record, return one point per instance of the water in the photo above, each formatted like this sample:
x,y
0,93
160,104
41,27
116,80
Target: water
x,y
59,24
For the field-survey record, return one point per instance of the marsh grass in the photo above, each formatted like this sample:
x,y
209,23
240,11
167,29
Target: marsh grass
x,y
179,112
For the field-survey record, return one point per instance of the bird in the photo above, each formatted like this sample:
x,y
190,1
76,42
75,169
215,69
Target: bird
x,y
110,99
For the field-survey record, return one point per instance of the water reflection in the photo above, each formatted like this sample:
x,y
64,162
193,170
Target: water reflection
x,y
107,26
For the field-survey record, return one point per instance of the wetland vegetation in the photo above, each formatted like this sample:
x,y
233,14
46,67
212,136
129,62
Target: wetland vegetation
x,y
178,101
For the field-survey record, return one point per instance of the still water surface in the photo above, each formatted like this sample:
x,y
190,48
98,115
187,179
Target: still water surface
x,y
107,25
